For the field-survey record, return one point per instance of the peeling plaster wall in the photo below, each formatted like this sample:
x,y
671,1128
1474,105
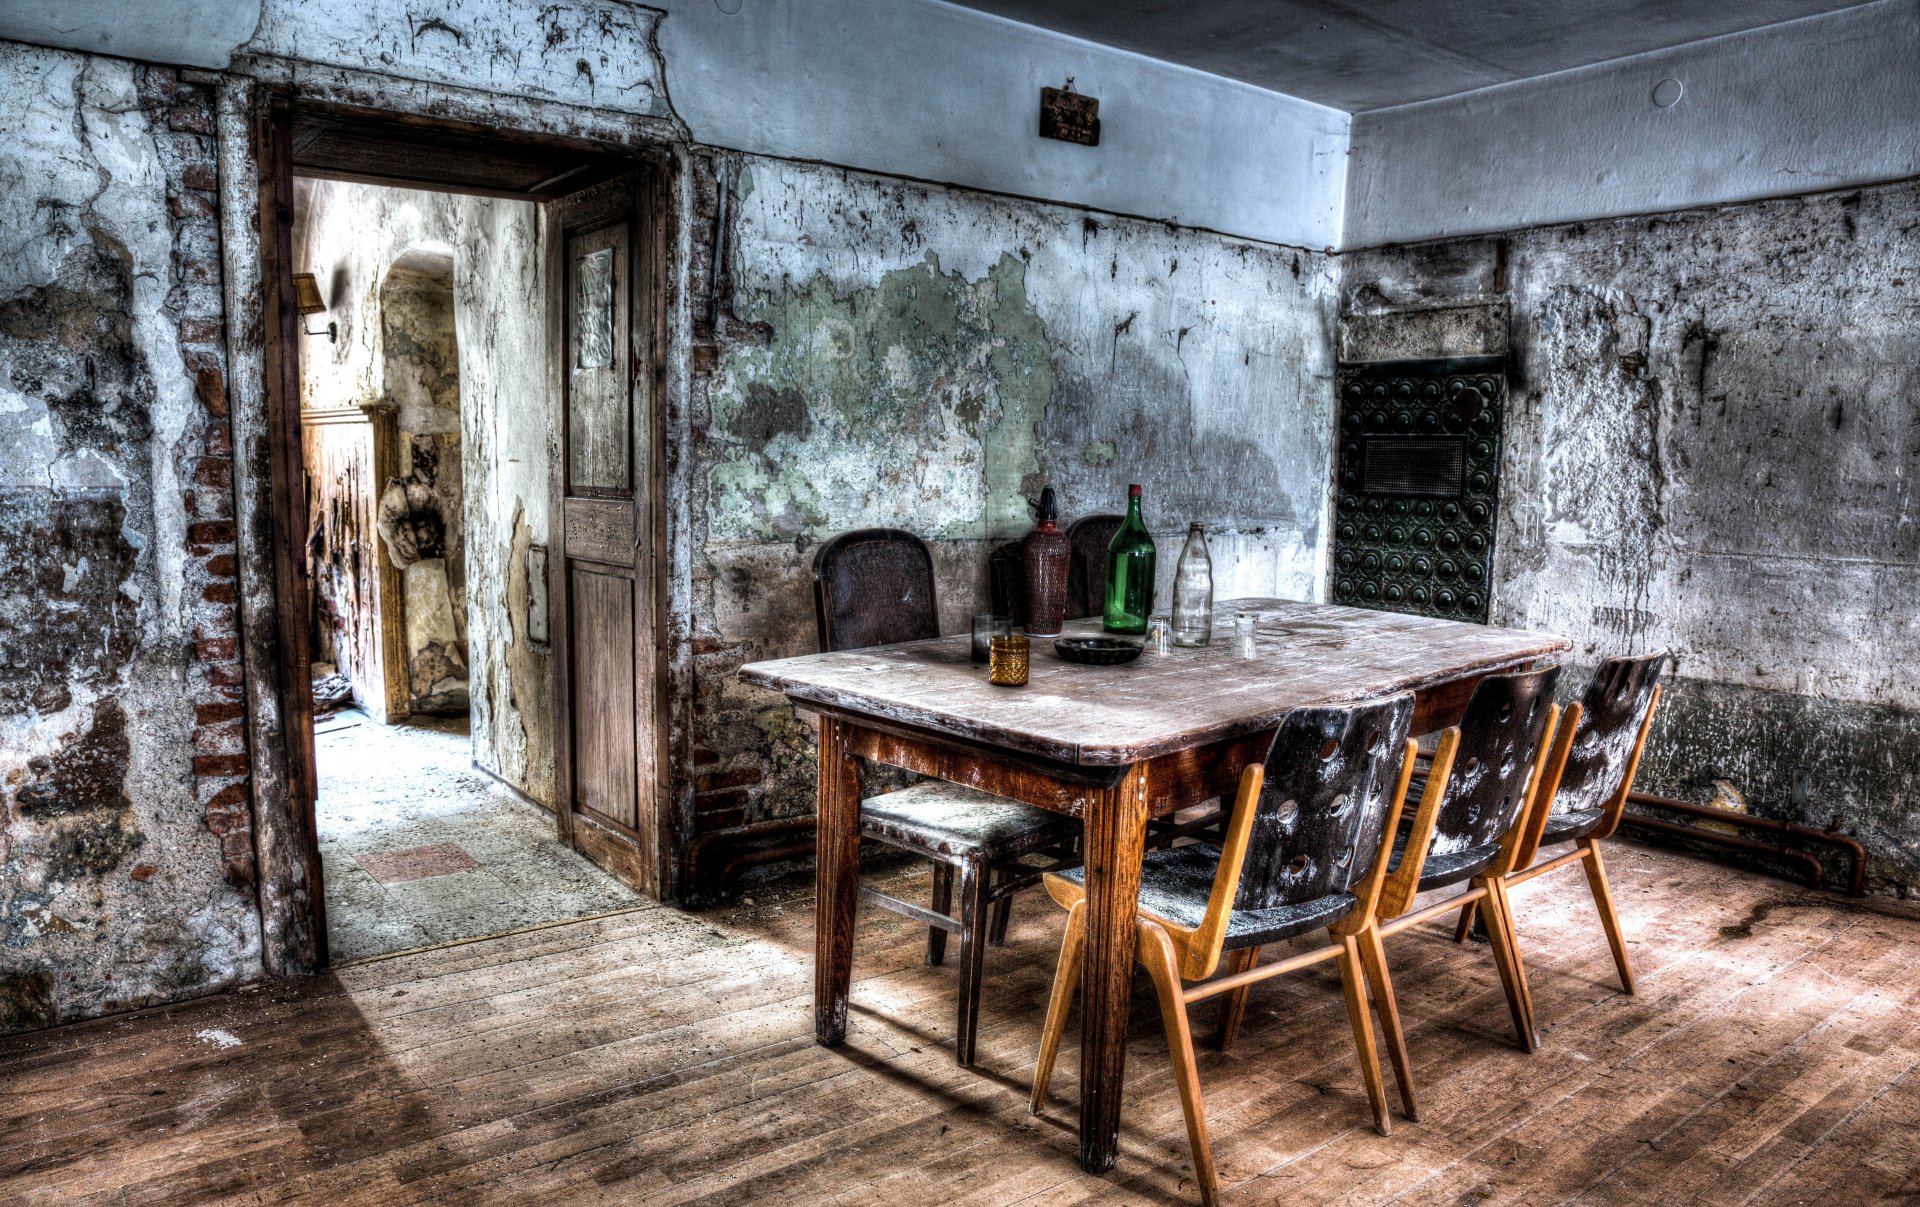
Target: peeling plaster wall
x,y
905,355
798,79
351,236
1714,448
591,53
126,868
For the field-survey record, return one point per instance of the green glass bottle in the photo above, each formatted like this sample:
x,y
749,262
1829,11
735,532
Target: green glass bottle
x,y
1130,572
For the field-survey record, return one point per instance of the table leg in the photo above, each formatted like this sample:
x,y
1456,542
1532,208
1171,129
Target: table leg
x,y
836,881
1116,833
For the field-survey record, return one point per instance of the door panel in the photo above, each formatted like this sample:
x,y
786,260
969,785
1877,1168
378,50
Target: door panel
x,y
603,695
355,588
600,385
600,531
603,569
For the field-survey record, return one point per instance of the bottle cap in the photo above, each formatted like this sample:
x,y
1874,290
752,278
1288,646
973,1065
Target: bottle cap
x,y
1196,526
1049,509
1133,492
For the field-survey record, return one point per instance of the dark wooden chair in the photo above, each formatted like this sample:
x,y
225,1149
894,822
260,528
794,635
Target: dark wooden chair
x,y
1007,582
1479,789
1087,572
1307,849
875,586
1589,773
1089,537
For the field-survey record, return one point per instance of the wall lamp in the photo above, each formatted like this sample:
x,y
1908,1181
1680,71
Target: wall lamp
x,y
306,299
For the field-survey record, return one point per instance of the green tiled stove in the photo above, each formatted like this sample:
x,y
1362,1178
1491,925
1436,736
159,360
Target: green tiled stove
x,y
1417,482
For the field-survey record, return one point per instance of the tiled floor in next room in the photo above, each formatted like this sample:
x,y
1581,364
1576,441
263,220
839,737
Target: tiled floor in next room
x,y
421,848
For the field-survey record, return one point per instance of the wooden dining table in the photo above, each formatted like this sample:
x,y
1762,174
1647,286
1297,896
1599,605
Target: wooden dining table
x,y
1112,746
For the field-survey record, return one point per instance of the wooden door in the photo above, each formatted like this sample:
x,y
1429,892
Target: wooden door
x,y
604,253
356,591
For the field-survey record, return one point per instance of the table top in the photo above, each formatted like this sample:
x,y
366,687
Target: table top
x,y
1308,654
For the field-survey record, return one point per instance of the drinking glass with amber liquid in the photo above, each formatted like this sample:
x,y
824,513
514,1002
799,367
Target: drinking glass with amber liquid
x,y
1007,660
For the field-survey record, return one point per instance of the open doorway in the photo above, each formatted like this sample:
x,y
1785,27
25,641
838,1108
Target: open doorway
x,y
427,472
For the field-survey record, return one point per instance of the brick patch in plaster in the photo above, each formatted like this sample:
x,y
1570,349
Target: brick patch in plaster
x,y
119,699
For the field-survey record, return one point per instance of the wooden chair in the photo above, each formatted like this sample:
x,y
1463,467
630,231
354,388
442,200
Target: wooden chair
x,y
1007,582
1466,831
875,586
1595,756
1087,572
1306,849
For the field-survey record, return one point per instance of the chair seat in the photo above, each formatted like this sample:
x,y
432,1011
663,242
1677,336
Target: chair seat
x,y
1175,883
1575,823
949,819
1445,868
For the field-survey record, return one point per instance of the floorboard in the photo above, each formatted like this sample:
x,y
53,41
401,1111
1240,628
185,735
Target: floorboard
x,y
1771,1057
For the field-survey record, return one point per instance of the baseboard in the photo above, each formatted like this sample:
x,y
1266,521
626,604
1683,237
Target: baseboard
x,y
509,785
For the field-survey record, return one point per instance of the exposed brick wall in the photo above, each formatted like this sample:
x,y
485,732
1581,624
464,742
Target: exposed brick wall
x,y
185,105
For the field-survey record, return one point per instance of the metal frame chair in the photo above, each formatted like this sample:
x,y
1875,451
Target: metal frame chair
x,y
875,586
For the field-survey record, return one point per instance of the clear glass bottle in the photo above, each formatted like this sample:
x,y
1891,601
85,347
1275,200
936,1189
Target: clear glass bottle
x,y
1193,591
1130,572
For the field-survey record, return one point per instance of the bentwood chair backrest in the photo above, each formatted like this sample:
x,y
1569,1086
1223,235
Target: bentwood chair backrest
x,y
1500,736
1087,572
1483,776
1500,743
1595,754
1007,582
1323,806
1611,714
1312,820
874,586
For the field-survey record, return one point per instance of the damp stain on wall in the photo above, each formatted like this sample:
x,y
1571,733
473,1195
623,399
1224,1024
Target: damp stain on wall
x,y
115,886
1713,449
903,355
912,403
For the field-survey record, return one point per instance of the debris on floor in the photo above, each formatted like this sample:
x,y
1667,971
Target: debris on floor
x,y
331,689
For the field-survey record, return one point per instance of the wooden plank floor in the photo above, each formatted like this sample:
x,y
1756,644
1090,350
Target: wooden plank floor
x,y
661,1057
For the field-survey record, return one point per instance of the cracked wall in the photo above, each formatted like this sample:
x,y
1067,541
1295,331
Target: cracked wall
x,y
910,356
126,872
489,447
1713,448
590,53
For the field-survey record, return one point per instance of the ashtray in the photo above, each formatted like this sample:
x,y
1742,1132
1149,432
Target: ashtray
x,y
1096,651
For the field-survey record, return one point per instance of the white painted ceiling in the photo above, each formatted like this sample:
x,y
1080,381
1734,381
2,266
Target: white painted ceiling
x,y
1371,54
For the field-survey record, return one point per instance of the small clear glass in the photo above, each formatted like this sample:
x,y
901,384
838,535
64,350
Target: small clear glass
x,y
987,626
1243,646
1007,661
1158,634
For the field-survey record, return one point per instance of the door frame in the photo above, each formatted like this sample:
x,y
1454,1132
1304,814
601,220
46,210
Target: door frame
x,y
662,165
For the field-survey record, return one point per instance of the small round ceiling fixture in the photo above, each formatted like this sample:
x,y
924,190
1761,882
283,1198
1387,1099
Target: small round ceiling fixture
x,y
729,7
1666,94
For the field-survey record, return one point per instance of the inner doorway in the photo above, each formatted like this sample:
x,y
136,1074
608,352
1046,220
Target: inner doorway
x,y
476,374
